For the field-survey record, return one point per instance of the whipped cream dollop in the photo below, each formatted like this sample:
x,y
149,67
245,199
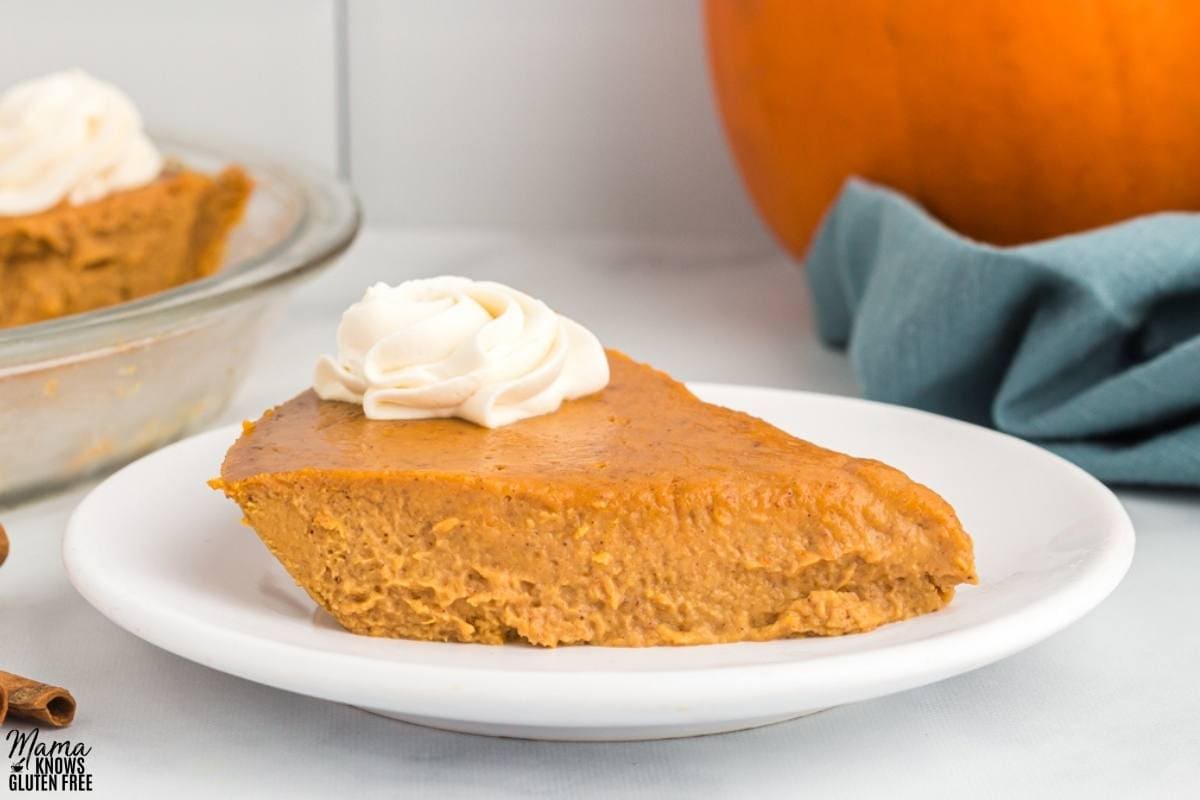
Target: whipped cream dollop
x,y
70,137
454,347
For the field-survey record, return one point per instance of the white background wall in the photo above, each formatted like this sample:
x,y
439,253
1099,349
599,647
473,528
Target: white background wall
x,y
547,116
259,72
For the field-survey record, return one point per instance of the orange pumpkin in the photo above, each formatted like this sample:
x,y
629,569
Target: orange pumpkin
x,y
1011,121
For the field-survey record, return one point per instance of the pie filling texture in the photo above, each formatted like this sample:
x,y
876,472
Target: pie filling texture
x,y
124,246
632,517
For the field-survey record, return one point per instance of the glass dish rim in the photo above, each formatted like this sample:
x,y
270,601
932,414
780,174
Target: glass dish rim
x,y
328,222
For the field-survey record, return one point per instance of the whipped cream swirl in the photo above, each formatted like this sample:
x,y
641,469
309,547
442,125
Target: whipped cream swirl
x,y
453,347
70,137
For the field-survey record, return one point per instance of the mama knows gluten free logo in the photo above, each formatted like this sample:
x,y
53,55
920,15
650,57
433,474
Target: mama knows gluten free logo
x,y
37,766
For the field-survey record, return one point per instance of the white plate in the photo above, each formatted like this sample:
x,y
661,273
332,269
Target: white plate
x,y
162,555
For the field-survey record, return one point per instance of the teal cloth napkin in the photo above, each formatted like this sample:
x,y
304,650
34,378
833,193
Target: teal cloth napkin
x,y
1088,344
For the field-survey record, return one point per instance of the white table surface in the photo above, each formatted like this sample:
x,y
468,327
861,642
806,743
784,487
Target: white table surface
x,y
1108,708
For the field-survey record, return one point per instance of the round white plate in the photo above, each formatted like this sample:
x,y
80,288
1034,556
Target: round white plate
x,y
162,555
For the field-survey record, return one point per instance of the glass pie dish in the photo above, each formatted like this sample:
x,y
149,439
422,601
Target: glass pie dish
x,y
84,393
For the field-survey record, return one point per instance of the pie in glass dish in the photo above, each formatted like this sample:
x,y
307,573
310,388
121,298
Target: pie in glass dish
x,y
90,213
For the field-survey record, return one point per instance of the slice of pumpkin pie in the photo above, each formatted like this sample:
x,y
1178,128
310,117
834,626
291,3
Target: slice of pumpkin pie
x,y
633,515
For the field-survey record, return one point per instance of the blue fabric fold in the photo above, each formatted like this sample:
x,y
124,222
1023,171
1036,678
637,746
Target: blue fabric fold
x,y
1088,344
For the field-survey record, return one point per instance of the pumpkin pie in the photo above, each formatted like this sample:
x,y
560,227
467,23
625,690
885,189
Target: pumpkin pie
x,y
635,516
128,244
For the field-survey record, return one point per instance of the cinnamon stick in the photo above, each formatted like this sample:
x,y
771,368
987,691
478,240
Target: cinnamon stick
x,y
3,703
37,701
